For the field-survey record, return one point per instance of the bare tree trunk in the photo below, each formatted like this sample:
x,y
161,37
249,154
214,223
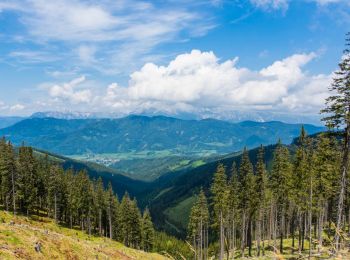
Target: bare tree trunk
x,y
221,237
110,223
275,229
349,221
55,202
233,238
100,222
304,228
310,219
320,229
13,192
243,234
281,230
345,163
263,236
201,240
207,241
300,232
89,225
259,233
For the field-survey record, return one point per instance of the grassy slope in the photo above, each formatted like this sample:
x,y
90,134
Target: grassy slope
x,y
18,240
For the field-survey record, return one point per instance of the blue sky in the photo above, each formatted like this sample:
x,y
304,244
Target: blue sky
x,y
206,58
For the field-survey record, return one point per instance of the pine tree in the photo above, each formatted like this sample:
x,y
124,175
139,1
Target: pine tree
x,y
9,177
147,232
338,117
233,203
54,190
280,186
219,191
135,225
198,226
261,188
327,163
125,220
248,199
100,203
112,208
27,179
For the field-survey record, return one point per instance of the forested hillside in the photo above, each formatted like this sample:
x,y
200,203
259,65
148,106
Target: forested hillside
x,y
120,183
29,185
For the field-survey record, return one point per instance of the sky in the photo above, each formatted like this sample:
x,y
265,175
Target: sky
x,y
203,58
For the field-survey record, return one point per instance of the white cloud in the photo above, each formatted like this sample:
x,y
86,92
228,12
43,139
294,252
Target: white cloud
x,y
119,31
32,56
271,4
68,92
17,107
198,81
325,2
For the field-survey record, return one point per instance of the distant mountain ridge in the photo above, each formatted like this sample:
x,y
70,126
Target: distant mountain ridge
x,y
231,116
7,121
143,133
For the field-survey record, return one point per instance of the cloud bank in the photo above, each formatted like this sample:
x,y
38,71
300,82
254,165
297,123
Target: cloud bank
x,y
199,82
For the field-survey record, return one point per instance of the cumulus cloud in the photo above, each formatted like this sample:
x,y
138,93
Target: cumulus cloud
x,y
17,107
69,92
198,81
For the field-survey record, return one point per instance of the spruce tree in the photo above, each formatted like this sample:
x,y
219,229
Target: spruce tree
x,y
337,117
280,186
261,188
9,176
147,232
198,226
233,206
248,199
27,179
219,191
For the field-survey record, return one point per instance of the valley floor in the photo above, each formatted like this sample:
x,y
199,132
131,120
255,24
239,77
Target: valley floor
x,y
19,235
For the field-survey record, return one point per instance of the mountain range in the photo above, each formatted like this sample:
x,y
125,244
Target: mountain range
x,y
143,133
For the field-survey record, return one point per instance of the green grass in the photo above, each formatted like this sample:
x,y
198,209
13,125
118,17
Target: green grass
x,y
197,163
17,241
149,165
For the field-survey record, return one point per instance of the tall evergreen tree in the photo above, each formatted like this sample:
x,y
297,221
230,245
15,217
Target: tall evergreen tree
x,y
280,186
248,199
198,226
9,176
27,179
233,207
147,232
261,189
219,191
337,116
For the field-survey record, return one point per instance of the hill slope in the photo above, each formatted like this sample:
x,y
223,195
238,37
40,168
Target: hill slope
x,y
141,133
9,120
120,183
18,239
174,196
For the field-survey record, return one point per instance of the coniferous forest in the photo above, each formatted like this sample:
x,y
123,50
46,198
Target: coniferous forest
x,y
31,185
295,206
